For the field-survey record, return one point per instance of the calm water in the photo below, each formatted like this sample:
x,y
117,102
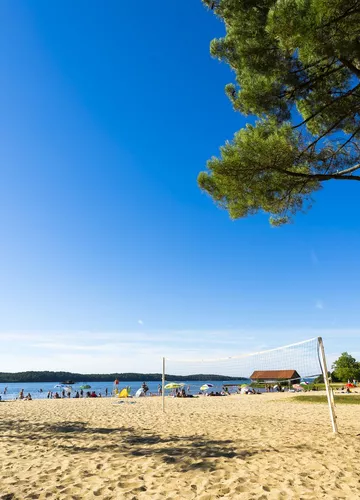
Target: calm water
x,y
33,388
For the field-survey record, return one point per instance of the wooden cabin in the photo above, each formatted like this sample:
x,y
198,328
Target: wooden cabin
x,y
272,376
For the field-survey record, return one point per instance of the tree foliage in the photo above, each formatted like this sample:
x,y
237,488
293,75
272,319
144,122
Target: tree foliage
x,y
346,368
297,68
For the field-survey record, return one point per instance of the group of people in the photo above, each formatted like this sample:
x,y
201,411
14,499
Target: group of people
x,y
182,393
270,388
216,393
23,397
346,389
66,393
276,387
224,392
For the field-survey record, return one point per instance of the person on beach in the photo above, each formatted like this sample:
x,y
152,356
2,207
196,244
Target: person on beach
x,y
116,386
48,394
5,390
77,395
159,390
81,393
28,397
57,395
63,393
145,387
106,392
21,394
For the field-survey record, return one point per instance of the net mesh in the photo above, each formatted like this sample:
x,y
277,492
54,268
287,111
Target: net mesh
x,y
302,358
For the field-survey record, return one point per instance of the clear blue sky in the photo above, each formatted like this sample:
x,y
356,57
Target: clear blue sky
x,y
110,255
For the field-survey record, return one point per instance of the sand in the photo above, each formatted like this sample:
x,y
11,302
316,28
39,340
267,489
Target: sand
x,y
240,447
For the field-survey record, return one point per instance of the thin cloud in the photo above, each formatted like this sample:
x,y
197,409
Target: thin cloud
x,y
319,304
314,257
140,321
141,351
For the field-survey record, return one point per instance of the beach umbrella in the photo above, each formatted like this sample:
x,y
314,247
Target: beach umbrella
x,y
244,385
304,383
205,387
298,387
140,393
173,385
86,386
349,385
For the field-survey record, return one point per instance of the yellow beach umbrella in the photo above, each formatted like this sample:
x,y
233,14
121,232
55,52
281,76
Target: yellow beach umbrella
x,y
173,385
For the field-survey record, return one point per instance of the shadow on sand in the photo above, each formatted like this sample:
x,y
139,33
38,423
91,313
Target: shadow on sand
x,y
186,452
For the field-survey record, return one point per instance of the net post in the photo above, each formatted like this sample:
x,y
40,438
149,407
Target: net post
x,y
163,385
329,395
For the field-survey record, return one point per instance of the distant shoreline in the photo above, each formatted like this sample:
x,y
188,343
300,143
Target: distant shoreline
x,y
48,376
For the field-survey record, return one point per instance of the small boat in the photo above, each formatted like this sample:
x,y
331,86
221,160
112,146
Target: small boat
x,y
68,382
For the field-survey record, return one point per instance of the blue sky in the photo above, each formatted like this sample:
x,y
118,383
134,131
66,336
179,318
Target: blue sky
x,y
110,255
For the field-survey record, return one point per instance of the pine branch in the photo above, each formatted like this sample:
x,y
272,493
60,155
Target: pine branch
x,y
309,83
349,12
330,129
347,94
342,175
304,68
346,142
350,66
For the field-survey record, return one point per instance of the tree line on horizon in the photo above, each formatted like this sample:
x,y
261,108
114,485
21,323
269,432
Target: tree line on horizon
x,y
60,376
345,368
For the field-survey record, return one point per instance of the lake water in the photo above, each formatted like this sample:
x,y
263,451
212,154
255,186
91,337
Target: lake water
x,y
33,388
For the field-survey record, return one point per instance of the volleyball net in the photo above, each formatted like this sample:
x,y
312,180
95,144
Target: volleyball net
x,y
293,364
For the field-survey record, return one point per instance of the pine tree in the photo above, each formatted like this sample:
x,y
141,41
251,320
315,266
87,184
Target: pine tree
x,y
297,68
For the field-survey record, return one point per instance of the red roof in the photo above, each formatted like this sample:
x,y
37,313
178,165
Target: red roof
x,y
274,375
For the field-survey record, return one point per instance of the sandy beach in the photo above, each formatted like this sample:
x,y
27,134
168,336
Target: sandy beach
x,y
240,447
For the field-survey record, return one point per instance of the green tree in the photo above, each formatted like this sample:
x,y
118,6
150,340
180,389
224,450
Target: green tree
x,y
297,68
332,377
346,368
